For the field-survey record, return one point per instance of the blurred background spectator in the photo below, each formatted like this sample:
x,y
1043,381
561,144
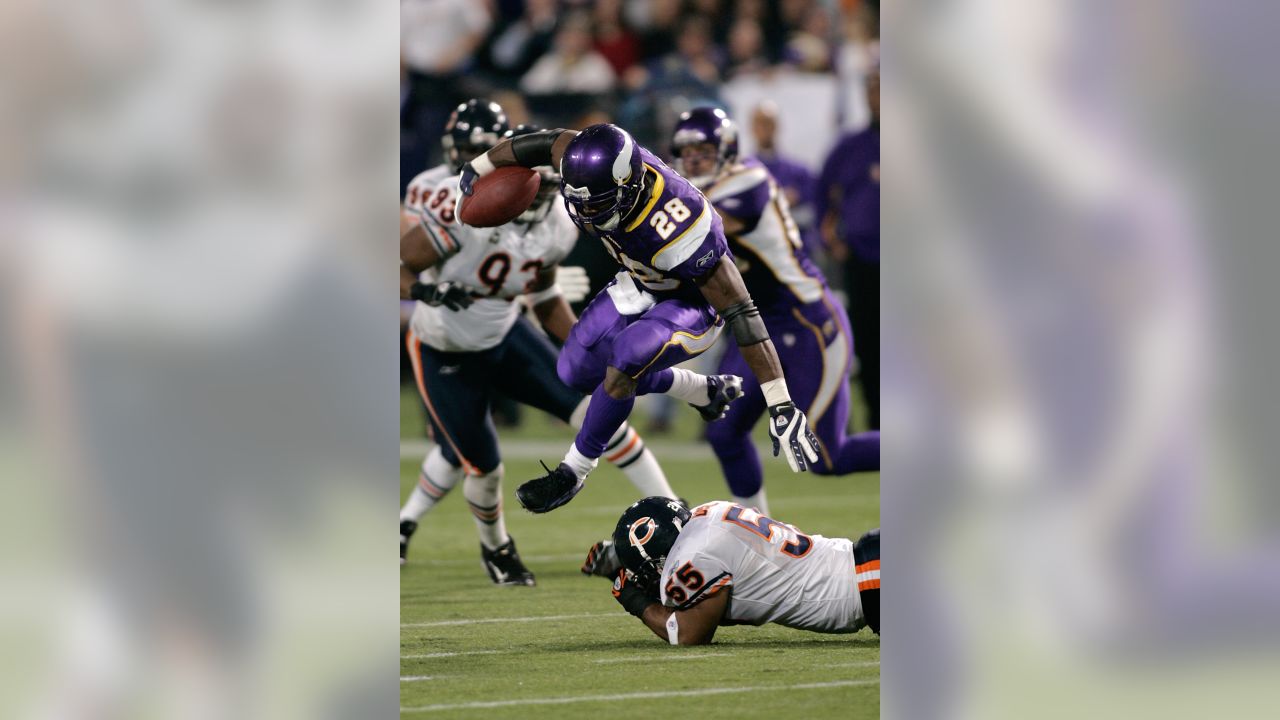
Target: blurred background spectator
x,y
572,65
849,208
438,39
790,72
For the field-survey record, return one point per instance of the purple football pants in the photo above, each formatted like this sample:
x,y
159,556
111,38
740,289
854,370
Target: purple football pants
x,y
643,346
816,350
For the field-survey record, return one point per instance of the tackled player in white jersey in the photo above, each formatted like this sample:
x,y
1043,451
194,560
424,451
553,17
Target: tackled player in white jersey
x,y
468,339
683,574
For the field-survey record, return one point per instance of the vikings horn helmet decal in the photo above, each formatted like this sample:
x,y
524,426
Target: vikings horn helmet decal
x,y
603,176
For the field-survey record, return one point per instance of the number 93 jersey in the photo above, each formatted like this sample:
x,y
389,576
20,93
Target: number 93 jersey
x,y
777,573
496,265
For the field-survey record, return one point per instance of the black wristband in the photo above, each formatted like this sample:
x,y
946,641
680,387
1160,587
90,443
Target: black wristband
x,y
421,291
534,149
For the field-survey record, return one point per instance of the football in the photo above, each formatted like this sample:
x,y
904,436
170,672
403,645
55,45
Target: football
x,y
499,197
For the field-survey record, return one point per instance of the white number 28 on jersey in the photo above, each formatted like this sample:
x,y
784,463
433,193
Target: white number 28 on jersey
x,y
665,222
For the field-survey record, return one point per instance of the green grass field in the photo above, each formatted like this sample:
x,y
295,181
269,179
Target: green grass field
x,y
566,649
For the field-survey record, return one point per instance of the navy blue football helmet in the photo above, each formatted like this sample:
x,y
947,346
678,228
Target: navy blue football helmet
x,y
602,177
474,127
645,534
547,189
705,125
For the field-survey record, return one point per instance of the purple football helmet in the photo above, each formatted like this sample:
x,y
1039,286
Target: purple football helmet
x,y
602,177
705,125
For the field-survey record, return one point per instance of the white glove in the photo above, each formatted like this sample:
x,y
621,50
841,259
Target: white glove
x,y
789,428
573,282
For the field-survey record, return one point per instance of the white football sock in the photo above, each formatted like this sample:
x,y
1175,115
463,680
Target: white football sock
x,y
757,501
435,481
689,386
580,464
627,451
484,495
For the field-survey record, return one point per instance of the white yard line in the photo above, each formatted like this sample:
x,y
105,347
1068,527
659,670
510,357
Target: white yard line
x,y
636,696
660,658
535,618
425,656
863,664
418,678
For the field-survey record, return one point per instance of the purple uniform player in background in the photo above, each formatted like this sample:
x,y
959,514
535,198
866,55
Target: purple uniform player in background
x,y
797,307
678,288
848,209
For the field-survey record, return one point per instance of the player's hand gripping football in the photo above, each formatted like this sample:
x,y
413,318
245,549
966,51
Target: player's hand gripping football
x,y
453,296
789,429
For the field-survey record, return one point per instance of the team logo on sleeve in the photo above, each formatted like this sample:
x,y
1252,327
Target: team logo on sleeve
x,y
706,259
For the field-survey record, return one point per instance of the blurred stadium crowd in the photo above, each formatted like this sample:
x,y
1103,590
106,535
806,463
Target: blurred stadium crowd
x,y
800,77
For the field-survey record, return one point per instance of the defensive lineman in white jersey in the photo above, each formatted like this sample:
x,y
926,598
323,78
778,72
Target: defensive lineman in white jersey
x,y
684,574
467,339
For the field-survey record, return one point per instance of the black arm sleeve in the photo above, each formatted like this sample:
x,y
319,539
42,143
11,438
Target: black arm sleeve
x,y
744,320
534,149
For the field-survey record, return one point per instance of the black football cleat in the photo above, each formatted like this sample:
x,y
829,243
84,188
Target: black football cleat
x,y
550,491
407,527
504,566
721,390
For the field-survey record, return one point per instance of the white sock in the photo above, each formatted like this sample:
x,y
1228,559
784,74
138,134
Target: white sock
x,y
689,386
484,495
580,464
435,481
627,451
758,502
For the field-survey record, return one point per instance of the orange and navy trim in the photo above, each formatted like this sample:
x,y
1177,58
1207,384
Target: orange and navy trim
x,y
487,514
443,240
868,575
433,490
713,586
626,449
415,358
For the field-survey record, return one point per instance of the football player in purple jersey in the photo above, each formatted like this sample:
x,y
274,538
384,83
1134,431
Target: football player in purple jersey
x,y
679,287
809,325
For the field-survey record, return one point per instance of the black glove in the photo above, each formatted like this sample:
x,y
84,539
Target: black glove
x,y
788,426
602,560
454,297
629,595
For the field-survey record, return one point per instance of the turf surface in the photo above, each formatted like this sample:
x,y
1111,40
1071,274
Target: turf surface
x,y
463,655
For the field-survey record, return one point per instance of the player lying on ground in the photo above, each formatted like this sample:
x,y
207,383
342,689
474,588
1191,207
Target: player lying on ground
x,y
685,574
467,340
678,288
795,304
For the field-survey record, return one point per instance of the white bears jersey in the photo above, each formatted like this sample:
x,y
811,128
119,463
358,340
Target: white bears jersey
x,y
420,187
496,264
777,573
